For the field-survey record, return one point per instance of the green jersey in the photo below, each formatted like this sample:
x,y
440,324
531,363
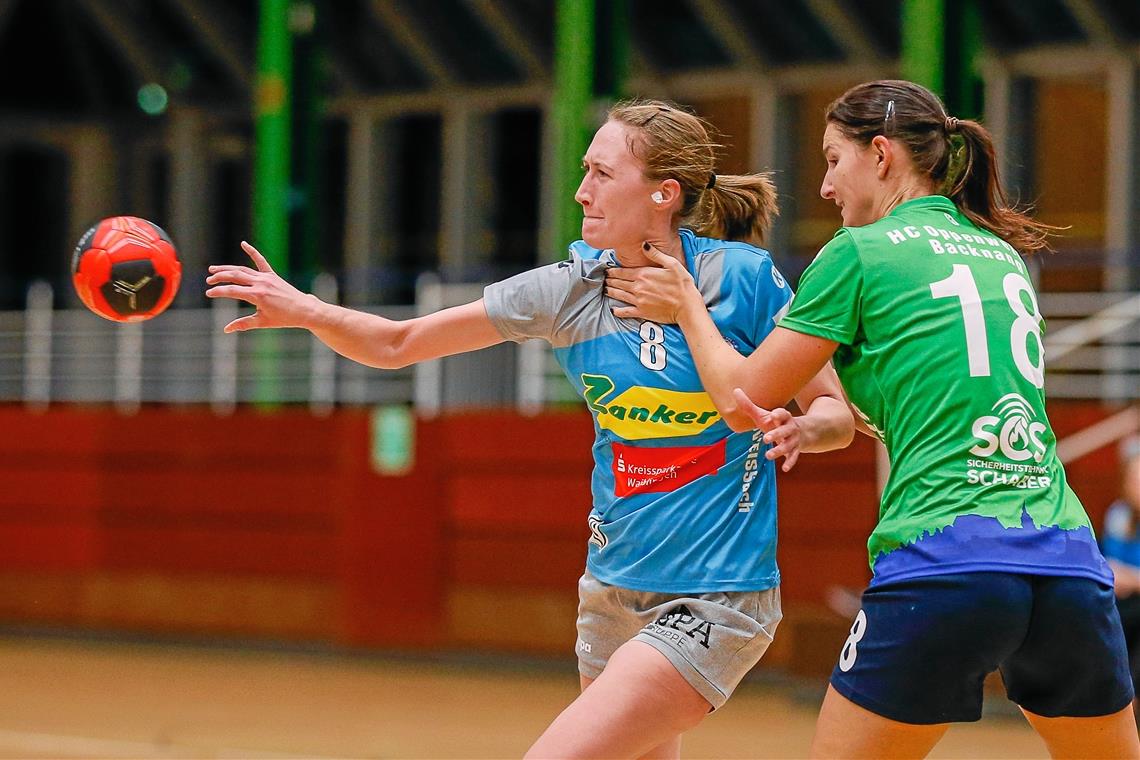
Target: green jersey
x,y
941,353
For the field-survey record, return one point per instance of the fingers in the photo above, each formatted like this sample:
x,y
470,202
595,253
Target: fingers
x,y
790,461
620,293
783,433
240,292
657,257
259,260
628,312
218,268
775,421
621,273
231,275
783,439
241,324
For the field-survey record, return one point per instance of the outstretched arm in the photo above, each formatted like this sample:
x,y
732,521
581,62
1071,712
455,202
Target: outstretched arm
x,y
362,337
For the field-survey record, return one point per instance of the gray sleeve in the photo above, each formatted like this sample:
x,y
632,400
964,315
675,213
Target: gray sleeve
x,y
526,305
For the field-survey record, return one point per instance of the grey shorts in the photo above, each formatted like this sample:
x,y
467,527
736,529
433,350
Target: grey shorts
x,y
712,639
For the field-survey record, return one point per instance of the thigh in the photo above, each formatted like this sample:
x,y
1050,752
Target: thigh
x,y
1105,736
919,650
846,730
1073,661
639,705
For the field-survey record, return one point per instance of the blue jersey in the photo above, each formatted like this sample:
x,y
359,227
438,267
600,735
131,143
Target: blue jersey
x,y
680,502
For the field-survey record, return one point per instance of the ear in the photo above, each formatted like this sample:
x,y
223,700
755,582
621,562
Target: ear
x,y
670,190
883,151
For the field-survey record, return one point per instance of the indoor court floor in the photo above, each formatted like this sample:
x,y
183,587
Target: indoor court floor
x,y
63,697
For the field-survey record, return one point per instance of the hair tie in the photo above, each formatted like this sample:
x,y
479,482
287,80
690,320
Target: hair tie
x,y
712,182
951,124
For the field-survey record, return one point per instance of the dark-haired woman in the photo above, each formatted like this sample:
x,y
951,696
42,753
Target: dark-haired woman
x,y
982,558
680,596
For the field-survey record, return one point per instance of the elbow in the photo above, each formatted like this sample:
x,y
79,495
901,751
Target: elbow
x,y
737,421
842,430
387,361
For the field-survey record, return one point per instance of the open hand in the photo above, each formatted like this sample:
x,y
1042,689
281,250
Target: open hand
x,y
779,426
656,292
278,303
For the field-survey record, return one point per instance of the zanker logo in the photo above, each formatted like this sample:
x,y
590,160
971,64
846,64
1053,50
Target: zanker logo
x,y
639,412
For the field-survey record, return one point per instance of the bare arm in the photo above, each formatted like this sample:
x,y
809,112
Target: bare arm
x,y
827,423
362,337
780,368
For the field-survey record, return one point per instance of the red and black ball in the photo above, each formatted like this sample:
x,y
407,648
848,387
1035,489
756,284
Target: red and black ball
x,y
126,269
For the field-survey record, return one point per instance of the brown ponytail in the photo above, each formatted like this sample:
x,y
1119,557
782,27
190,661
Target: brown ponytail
x,y
675,144
957,154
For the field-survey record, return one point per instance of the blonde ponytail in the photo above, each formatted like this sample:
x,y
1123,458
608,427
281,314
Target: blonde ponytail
x,y
737,207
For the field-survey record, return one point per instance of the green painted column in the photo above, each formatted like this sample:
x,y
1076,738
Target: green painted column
x,y
574,51
591,67
271,171
941,40
272,134
612,51
308,111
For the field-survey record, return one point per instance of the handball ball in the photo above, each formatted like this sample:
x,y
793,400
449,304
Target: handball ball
x,y
126,269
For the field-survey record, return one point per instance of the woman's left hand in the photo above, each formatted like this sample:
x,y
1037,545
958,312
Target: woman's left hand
x,y
655,293
780,429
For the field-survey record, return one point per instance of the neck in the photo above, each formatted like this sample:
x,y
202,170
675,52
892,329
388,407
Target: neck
x,y
634,255
907,190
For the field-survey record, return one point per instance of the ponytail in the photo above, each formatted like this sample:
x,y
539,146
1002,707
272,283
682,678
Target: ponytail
x,y
737,207
976,190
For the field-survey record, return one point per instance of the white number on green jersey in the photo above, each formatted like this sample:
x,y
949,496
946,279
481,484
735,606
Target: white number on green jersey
x,y
1026,327
652,345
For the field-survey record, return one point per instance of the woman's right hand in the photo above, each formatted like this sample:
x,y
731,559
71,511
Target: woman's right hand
x,y
278,303
657,293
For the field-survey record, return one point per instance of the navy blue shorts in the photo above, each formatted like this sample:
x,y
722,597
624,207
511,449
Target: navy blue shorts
x,y
919,650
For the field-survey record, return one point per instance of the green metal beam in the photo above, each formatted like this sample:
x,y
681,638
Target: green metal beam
x,y
271,161
272,134
574,51
941,40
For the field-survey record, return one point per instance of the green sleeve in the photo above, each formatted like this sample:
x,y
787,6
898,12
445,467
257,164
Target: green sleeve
x,y
829,298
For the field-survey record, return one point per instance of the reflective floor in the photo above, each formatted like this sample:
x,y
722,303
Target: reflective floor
x,y
67,698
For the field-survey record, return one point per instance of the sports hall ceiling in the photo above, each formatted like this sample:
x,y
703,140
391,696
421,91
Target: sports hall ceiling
x,y
89,57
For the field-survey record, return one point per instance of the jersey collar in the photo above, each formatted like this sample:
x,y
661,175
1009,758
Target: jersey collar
x,y
689,246
926,201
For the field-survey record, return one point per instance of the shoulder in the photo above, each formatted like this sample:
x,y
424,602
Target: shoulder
x,y
844,246
585,260
731,255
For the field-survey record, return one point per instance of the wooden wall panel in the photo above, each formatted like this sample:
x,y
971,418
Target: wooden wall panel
x,y
275,525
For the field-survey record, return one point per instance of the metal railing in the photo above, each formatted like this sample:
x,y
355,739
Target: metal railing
x,y
1092,346
72,356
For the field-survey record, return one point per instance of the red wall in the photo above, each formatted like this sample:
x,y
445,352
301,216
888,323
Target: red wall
x,y
275,525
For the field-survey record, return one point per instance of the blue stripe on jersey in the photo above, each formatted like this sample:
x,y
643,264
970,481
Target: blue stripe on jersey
x,y
976,543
